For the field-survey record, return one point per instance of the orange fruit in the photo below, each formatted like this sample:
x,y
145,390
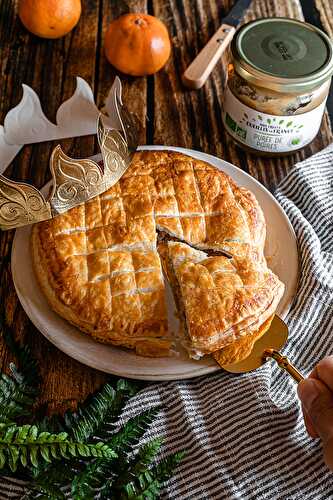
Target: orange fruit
x,y
49,18
137,44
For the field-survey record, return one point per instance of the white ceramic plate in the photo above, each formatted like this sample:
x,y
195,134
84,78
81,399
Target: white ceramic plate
x,y
281,251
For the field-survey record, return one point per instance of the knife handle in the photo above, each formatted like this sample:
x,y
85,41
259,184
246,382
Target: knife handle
x,y
201,67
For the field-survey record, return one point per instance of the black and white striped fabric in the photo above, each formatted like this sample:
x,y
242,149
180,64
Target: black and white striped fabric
x,y
244,435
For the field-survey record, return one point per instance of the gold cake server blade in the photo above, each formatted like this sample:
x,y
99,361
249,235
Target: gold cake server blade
x,y
267,347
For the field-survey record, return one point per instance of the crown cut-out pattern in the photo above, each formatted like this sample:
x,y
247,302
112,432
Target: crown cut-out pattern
x,y
26,123
74,181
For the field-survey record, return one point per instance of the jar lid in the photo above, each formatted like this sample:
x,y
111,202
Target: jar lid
x,y
283,54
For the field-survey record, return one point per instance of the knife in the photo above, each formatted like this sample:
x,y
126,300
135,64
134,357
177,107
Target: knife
x,y
201,67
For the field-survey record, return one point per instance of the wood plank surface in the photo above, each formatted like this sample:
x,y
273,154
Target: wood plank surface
x,y
50,68
196,114
171,114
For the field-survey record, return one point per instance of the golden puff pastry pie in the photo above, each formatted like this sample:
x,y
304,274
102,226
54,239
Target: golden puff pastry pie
x,y
98,263
221,300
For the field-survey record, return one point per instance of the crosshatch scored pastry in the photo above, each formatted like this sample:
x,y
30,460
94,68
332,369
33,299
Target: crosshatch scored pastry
x,y
99,266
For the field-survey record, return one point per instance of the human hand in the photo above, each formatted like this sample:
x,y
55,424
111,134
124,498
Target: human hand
x,y
316,395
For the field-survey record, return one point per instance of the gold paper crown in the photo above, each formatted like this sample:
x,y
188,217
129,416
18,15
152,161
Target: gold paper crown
x,y
73,181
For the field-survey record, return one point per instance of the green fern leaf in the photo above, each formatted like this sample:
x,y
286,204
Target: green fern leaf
x,y
16,399
33,456
32,433
91,479
56,475
105,406
38,445
123,441
165,469
45,490
18,392
151,492
90,464
13,457
24,456
146,455
132,431
54,424
97,474
133,490
140,463
2,459
135,480
147,484
97,416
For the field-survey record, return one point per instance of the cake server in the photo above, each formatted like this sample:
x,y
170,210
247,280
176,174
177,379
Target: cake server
x,y
202,66
267,347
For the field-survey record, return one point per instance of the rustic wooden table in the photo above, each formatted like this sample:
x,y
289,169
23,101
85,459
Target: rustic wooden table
x,y
171,114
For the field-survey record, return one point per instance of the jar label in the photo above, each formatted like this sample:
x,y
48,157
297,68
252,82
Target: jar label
x,y
270,133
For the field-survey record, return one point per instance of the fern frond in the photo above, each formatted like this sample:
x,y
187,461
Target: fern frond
x,y
54,424
128,387
85,422
146,455
91,479
148,484
44,490
55,475
16,399
18,392
140,463
28,369
131,491
150,490
96,416
100,412
97,474
62,451
132,431
28,446
166,467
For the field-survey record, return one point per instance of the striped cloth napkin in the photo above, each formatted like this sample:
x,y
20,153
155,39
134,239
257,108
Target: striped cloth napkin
x,y
244,435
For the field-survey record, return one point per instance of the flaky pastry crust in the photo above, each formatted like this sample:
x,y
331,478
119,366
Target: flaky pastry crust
x,y
220,299
98,264
241,348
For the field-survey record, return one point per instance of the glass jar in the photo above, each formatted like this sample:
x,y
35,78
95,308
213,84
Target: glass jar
x,y
278,81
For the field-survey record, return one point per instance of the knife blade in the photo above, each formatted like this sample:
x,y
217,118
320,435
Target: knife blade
x,y
201,67
236,14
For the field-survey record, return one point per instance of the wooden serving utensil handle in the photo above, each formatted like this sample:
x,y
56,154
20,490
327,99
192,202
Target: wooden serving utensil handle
x,y
284,364
201,67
